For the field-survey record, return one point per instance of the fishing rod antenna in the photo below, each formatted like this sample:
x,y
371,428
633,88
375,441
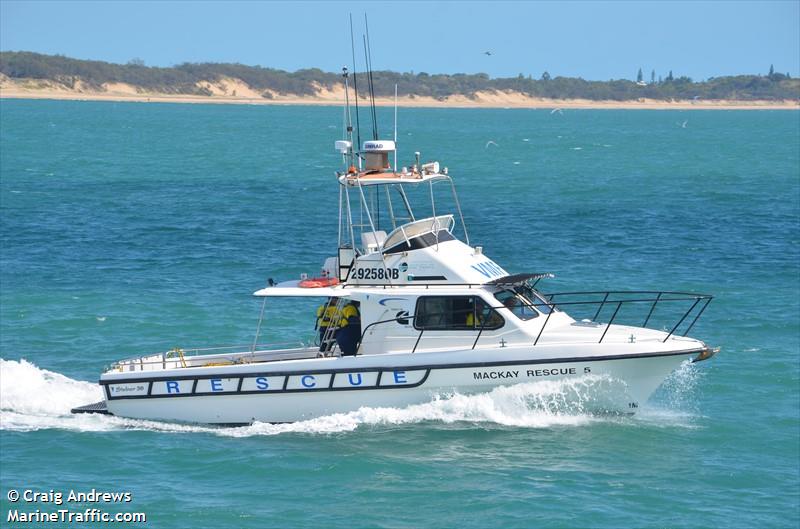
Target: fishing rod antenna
x,y
355,92
368,57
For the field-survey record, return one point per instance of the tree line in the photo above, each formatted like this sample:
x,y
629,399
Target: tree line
x,y
187,79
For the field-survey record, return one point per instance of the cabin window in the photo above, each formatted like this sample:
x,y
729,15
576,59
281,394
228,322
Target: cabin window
x,y
455,313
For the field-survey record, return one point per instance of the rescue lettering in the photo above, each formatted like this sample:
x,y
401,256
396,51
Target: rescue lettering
x,y
550,372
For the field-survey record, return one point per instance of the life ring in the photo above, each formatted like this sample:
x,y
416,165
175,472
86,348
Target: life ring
x,y
318,282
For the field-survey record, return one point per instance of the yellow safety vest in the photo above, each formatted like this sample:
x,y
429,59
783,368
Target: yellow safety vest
x,y
348,311
327,316
476,323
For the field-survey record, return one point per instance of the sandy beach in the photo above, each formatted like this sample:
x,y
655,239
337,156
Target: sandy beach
x,y
235,91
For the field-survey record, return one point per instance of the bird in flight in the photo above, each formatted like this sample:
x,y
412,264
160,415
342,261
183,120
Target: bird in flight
x,y
487,52
490,142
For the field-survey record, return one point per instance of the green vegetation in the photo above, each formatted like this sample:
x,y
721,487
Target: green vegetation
x,y
184,79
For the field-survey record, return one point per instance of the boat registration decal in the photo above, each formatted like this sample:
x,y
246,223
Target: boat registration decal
x,y
376,273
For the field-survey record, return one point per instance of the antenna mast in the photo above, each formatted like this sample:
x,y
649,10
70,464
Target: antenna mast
x,y
395,127
368,56
347,120
355,91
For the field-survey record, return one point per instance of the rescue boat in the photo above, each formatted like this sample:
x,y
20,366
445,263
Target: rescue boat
x,y
437,317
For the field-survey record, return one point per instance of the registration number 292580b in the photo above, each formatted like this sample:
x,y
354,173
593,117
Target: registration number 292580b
x,y
376,273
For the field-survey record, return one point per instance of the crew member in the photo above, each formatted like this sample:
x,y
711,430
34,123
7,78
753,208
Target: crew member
x,y
327,318
349,329
475,318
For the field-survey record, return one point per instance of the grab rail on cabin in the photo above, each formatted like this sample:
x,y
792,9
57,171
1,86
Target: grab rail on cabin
x,y
660,297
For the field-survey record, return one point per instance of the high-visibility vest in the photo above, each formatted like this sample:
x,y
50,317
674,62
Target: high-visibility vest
x,y
327,316
349,311
476,320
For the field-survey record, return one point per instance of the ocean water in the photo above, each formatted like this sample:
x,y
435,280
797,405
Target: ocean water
x,y
130,228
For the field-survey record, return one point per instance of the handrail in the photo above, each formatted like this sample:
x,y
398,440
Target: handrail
x,y
696,301
652,309
689,328
433,224
182,354
585,292
660,298
608,325
609,297
542,329
596,314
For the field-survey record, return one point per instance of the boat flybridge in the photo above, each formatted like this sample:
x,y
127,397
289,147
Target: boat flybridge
x,y
434,316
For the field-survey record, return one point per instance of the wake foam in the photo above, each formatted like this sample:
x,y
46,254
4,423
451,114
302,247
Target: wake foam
x,y
32,398
676,402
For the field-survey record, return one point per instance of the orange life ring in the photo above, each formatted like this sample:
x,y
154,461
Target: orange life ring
x,y
318,282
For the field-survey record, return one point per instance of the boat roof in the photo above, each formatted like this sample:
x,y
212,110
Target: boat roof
x,y
366,178
293,290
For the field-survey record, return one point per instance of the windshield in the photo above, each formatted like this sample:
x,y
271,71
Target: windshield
x,y
524,302
534,298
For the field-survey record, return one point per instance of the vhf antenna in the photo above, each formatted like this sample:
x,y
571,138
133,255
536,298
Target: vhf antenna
x,y
355,90
368,56
347,120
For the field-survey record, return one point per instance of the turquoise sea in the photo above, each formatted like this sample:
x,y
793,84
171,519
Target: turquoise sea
x,y
130,228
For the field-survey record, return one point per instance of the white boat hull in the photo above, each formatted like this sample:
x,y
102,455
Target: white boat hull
x,y
245,394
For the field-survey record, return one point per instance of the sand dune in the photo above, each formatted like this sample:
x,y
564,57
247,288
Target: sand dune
x,y
236,91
